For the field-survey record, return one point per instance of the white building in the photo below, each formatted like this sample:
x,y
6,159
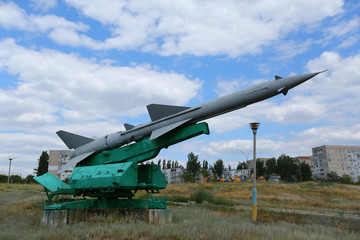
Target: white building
x,y
57,159
334,158
232,173
173,175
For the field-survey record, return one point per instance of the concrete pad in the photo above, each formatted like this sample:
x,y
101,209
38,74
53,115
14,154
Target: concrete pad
x,y
159,216
54,218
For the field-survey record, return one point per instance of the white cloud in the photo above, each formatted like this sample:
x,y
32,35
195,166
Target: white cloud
x,y
44,5
12,16
53,85
201,28
330,99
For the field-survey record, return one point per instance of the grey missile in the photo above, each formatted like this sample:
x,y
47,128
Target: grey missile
x,y
165,118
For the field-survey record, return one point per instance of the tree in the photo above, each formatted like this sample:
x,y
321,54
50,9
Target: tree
x,y
16,179
193,165
260,168
3,178
332,177
204,173
287,168
229,167
164,164
271,167
305,172
192,168
168,164
29,179
241,165
205,165
219,167
159,163
43,164
346,179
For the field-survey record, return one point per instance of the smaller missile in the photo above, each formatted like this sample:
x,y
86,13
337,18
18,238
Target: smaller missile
x,y
166,118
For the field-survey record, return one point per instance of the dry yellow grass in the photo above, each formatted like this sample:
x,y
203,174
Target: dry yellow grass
x,y
302,196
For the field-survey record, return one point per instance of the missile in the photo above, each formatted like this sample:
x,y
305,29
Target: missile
x,y
166,118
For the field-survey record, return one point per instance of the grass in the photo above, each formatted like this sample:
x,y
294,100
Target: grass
x,y
301,196
21,212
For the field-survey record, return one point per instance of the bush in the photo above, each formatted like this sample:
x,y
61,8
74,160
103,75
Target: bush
x,y
201,195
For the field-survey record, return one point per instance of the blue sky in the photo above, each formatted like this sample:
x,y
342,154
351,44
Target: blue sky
x,y
88,67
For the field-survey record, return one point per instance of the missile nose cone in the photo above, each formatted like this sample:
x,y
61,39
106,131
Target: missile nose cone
x,y
294,81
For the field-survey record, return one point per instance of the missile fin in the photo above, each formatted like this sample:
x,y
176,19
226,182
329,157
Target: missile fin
x,y
283,90
158,111
74,161
128,126
161,131
277,77
73,140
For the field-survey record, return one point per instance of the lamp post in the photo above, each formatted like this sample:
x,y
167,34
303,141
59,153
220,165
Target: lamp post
x,y
254,127
9,169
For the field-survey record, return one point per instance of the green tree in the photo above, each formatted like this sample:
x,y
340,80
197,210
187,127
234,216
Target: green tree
x,y
219,167
205,165
29,179
168,164
241,165
333,177
346,179
43,164
192,168
3,178
193,164
16,179
260,168
305,172
204,173
164,164
271,167
159,163
287,168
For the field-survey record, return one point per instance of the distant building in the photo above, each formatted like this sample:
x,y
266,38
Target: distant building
x,y
305,159
173,175
57,159
339,159
274,178
232,173
250,163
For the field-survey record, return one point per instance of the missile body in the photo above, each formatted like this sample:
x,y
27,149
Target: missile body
x,y
165,118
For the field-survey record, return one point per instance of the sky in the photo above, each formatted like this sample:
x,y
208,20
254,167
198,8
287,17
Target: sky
x,y
89,66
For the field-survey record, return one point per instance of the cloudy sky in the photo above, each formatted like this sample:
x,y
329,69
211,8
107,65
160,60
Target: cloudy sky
x,y
89,66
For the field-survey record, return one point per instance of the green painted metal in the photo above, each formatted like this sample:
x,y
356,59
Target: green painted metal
x,y
111,176
54,185
152,203
145,149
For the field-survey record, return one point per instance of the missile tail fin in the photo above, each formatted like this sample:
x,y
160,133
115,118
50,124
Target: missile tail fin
x,y
158,111
74,161
277,77
128,126
161,131
73,140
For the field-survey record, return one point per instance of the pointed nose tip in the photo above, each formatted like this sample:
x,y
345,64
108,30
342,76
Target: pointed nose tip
x,y
307,76
296,80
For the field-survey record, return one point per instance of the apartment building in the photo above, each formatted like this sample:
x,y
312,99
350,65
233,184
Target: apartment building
x,y
335,158
57,159
173,175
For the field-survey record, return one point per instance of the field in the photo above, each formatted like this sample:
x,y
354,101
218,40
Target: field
x,y
203,211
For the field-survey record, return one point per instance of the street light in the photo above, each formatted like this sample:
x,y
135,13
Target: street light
x,y
254,127
9,169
